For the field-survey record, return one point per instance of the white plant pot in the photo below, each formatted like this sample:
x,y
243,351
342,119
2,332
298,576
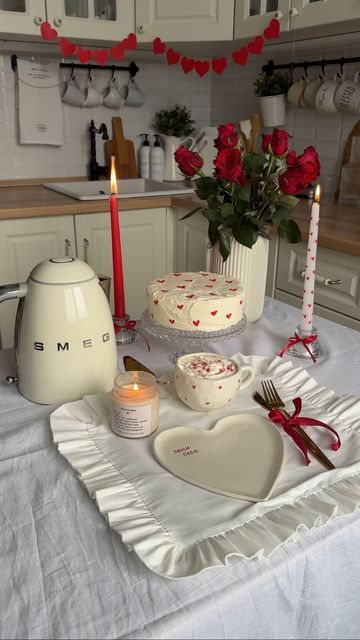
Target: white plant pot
x,y
250,266
171,170
273,110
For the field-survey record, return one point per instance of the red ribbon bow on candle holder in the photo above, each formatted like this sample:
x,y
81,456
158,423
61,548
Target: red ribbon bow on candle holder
x,y
295,339
278,417
130,324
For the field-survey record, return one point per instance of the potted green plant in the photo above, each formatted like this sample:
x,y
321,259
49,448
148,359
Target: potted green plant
x,y
173,125
272,90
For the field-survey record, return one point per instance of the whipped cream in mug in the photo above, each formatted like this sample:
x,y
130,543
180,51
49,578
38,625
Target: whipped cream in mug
x,y
207,365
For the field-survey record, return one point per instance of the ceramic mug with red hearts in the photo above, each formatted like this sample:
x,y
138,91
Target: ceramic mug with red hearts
x,y
209,381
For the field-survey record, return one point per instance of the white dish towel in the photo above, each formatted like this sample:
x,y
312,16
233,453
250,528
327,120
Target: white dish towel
x,y
40,107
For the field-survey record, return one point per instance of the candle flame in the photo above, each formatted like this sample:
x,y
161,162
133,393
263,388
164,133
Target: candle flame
x,y
317,193
113,176
135,387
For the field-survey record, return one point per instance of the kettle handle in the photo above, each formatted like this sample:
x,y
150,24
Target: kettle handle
x,y
17,290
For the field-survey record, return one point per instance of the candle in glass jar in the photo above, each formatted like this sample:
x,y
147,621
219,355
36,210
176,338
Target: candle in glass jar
x,y
309,278
135,405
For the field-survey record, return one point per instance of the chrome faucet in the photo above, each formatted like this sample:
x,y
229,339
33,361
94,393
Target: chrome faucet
x,y
95,169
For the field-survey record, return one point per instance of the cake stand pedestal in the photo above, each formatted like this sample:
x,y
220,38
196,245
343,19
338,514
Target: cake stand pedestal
x,y
189,341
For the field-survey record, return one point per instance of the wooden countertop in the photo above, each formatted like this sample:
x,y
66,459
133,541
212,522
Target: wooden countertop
x,y
339,225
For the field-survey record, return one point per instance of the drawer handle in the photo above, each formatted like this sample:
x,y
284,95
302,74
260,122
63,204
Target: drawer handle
x,y
67,246
326,281
86,244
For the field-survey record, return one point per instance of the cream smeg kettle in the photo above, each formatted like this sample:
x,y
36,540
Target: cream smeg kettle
x,y
64,334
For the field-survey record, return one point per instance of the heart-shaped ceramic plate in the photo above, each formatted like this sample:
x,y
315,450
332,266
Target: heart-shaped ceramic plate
x,y
241,456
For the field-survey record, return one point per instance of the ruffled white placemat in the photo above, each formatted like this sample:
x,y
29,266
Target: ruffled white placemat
x,y
178,529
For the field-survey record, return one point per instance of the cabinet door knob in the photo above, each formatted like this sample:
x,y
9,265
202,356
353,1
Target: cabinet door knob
x,y
38,20
67,246
278,15
86,245
326,281
141,28
57,22
294,12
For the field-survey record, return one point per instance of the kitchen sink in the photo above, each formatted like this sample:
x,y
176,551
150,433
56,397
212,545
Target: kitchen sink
x,y
134,188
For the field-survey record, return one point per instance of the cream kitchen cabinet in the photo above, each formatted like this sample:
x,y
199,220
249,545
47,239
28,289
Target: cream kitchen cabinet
x,y
337,291
192,243
92,19
21,17
252,16
147,240
23,244
188,20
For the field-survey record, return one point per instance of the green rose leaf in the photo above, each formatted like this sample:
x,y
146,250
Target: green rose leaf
x,y
212,215
227,209
224,245
213,233
290,231
244,193
253,164
206,187
287,202
280,215
244,233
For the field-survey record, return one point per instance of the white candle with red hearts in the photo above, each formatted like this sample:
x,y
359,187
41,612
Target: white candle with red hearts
x,y
307,313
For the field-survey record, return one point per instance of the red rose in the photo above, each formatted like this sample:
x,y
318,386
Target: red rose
x,y
291,158
227,137
279,142
292,180
189,162
309,162
229,166
266,141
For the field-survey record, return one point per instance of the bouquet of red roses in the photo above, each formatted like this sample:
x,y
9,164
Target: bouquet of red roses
x,y
249,192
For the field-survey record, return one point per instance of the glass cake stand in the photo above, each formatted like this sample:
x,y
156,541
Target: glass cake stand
x,y
189,341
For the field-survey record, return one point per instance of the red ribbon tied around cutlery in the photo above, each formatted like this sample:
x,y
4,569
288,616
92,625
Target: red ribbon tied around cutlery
x,y
278,417
130,324
295,339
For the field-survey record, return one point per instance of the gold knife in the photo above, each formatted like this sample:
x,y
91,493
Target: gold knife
x,y
131,364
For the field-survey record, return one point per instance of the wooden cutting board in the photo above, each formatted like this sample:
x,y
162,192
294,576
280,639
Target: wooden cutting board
x,y
123,150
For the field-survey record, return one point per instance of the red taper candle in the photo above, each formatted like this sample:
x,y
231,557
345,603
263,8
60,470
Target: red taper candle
x,y
118,275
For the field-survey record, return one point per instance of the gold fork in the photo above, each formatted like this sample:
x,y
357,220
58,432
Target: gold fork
x,y
274,401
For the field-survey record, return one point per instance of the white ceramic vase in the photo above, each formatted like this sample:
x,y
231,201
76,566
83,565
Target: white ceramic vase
x,y
273,110
171,170
250,266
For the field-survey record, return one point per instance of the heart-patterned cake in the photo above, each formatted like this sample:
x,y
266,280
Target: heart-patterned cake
x,y
240,457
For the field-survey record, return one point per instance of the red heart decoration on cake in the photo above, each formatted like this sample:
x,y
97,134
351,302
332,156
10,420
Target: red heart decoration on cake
x,y
101,56
67,48
228,315
220,386
304,315
212,279
309,305
196,323
202,67
213,313
164,290
130,42
272,31
193,386
192,296
240,56
232,289
172,56
172,321
219,65
256,45
187,64
159,46
83,55
180,286
177,274
161,281
118,52
213,294
156,301
180,306
47,32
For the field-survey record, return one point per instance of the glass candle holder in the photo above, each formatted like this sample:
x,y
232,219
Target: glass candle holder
x,y
135,405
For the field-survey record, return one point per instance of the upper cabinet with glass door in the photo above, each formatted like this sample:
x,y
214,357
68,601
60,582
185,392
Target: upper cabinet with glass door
x,y
252,16
110,20
184,20
21,17
311,13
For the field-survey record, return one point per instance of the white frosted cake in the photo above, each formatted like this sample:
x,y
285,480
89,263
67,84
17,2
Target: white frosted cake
x,y
196,301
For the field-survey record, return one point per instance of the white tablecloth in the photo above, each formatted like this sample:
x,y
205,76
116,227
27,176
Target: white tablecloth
x,y
65,574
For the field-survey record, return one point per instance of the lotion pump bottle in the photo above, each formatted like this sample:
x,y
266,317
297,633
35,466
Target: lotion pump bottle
x,y
157,161
145,157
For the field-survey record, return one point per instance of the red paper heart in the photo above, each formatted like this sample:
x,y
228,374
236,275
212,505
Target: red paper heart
x,y
172,56
101,56
118,52
159,46
202,67
130,42
187,64
47,33
67,48
83,55
219,65
240,56
272,31
256,45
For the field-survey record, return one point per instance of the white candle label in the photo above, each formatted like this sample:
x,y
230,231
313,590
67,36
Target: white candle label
x,y
131,422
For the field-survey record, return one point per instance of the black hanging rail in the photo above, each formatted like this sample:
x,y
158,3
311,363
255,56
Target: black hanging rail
x,y
270,67
132,68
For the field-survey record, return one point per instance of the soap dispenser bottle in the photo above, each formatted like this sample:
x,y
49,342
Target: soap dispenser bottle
x,y
145,157
157,161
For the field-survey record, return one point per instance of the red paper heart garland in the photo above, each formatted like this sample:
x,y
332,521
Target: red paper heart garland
x,y
159,47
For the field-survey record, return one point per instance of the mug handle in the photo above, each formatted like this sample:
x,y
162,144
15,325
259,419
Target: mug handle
x,y
250,375
357,76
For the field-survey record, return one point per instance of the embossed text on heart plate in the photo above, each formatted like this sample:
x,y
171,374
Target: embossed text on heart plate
x,y
240,457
